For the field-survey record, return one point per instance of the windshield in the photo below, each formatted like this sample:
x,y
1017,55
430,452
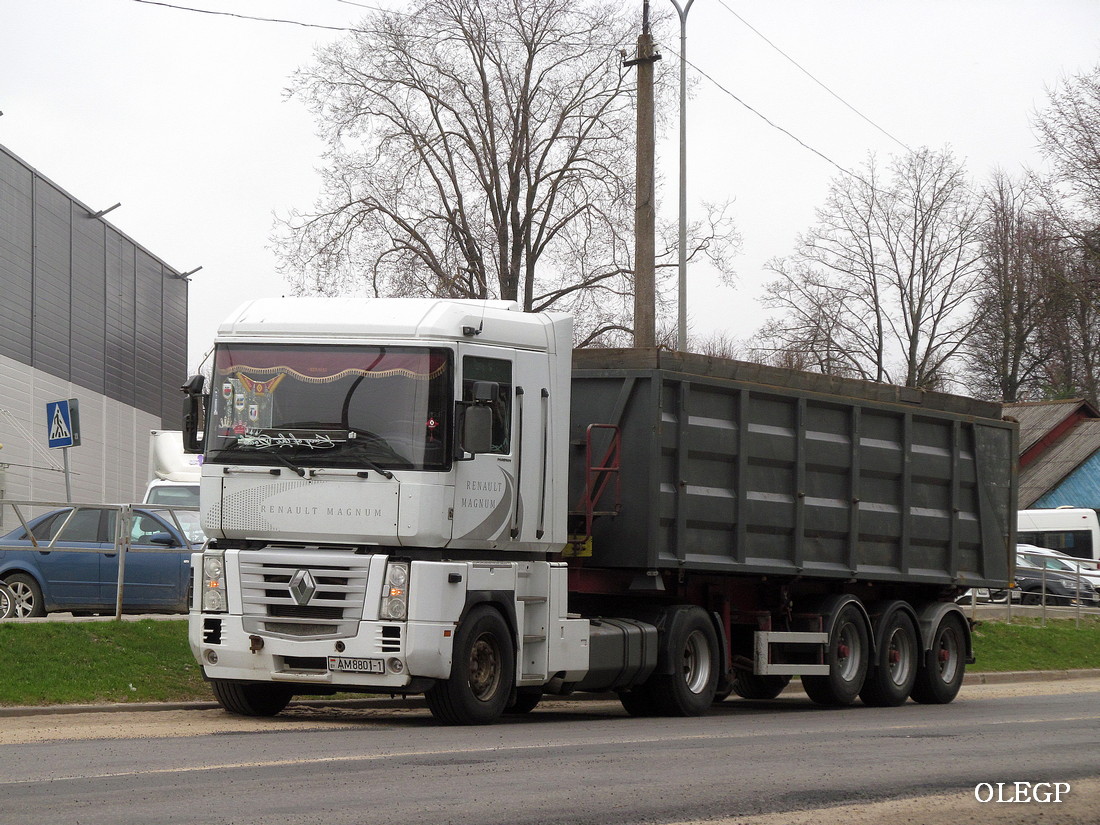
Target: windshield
x,y
331,406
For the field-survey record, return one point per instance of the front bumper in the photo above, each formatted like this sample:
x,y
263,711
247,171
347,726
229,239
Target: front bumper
x,y
226,650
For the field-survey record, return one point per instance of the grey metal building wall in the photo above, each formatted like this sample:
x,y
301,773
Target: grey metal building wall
x,y
82,302
86,313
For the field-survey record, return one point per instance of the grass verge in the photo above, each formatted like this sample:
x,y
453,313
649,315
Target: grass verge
x,y
1027,645
52,663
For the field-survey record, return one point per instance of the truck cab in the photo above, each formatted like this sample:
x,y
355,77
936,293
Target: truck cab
x,y
373,472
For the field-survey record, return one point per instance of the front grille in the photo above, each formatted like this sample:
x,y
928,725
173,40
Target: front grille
x,y
333,608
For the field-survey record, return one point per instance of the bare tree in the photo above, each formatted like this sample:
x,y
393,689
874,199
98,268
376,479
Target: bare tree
x,y
1020,286
476,148
879,288
1069,134
1069,137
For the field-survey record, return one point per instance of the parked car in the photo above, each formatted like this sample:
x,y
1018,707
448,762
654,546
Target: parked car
x,y
983,595
1061,562
1060,588
53,577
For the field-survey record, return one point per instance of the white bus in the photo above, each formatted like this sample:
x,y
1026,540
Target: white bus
x,y
1074,531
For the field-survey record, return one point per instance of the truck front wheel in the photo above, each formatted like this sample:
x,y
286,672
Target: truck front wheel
x,y
693,654
251,699
482,673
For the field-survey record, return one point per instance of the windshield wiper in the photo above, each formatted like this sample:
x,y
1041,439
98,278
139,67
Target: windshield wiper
x,y
299,470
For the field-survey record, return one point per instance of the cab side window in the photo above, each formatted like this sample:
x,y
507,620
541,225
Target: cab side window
x,y
499,371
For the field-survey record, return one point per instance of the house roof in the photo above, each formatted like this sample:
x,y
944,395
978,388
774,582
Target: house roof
x,y
1057,462
1040,418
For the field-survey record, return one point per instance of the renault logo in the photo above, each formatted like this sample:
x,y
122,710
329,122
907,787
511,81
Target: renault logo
x,y
302,587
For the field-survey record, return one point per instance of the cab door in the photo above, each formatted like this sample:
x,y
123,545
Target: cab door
x,y
486,504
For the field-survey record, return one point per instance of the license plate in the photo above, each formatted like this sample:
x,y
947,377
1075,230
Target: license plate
x,y
349,665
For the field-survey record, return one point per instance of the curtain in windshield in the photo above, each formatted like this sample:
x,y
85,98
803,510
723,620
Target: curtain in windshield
x,y
332,405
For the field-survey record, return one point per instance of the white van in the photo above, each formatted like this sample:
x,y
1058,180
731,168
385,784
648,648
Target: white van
x,y
1074,531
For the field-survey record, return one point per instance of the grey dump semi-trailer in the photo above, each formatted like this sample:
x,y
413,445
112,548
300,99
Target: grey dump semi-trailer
x,y
440,497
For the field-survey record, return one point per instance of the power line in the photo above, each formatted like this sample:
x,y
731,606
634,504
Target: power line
x,y
775,125
810,75
249,17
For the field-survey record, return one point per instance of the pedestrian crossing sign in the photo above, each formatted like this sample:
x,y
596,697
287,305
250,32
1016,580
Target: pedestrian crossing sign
x,y
63,423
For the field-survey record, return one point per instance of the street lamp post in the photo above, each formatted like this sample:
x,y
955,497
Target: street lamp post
x,y
681,322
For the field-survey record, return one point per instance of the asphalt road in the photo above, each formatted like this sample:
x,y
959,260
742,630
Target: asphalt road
x,y
582,763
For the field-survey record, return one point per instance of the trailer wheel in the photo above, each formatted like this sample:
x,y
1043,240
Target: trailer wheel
x,y
897,659
481,674
753,686
847,655
693,654
941,675
251,699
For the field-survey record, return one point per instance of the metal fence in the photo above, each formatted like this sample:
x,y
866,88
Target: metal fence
x,y
1052,591
26,512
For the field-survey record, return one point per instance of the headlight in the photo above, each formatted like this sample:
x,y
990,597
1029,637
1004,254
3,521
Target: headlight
x,y
214,597
395,592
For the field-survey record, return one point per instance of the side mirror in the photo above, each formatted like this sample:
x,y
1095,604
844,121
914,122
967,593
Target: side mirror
x,y
194,413
477,430
165,539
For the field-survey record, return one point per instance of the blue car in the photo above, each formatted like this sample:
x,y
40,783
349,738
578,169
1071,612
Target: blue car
x,y
47,579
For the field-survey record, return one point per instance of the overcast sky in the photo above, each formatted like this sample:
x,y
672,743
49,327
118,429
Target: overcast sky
x,y
181,116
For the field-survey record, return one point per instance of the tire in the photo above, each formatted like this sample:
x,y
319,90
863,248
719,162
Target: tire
x,y
527,699
638,702
1033,597
897,660
251,698
28,596
482,672
848,657
753,686
692,646
7,602
941,674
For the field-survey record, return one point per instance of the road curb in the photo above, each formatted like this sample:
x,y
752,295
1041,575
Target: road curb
x,y
1004,678
1030,676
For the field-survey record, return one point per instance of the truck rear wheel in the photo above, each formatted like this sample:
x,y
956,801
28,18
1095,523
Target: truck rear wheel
x,y
941,675
527,699
897,659
847,655
251,699
693,655
482,672
638,702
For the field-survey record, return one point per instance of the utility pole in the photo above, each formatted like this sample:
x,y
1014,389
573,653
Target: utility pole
x,y
645,292
681,321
